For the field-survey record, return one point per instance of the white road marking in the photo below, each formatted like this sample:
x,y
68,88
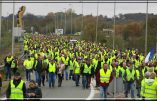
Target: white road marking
x,y
92,92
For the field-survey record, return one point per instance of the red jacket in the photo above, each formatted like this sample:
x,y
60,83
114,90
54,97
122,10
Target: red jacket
x,y
103,84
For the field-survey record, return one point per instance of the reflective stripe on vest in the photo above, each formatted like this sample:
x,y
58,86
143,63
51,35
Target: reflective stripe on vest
x,y
105,77
150,91
16,92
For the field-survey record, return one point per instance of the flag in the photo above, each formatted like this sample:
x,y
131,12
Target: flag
x,y
150,55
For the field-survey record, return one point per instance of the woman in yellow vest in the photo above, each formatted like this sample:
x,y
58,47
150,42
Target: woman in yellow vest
x,y
16,88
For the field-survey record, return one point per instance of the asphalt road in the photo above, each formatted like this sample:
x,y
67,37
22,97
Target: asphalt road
x,y
68,90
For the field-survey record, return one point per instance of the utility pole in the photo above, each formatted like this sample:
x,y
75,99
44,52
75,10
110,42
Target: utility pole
x,y
82,19
97,22
55,22
0,24
114,25
65,22
146,29
115,83
13,28
71,17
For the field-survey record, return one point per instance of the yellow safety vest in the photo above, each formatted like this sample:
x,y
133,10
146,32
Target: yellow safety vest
x,y
77,67
9,59
138,73
28,64
130,74
150,91
16,92
71,65
52,68
13,64
105,77
87,69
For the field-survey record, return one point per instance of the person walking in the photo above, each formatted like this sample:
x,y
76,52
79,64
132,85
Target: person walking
x,y
60,71
130,76
77,71
105,76
28,64
52,73
7,66
149,89
38,70
16,88
14,65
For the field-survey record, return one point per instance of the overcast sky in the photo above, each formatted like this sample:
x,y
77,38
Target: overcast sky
x,y
88,8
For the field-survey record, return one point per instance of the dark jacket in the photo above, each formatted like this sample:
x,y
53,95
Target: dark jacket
x,y
16,83
36,90
39,66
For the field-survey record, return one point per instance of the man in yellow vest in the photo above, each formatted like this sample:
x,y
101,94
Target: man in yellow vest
x,y
77,71
14,65
16,88
86,72
129,76
71,67
139,77
52,72
7,67
150,87
28,64
105,76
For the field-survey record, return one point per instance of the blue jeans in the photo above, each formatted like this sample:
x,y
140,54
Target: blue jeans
x,y
77,77
128,87
85,81
70,74
52,77
125,87
103,91
7,72
138,91
28,74
38,78
66,72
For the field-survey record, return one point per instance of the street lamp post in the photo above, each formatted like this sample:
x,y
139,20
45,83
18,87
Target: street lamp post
x,y
61,20
0,24
146,29
65,22
114,28
115,83
97,22
71,17
55,22
82,19
13,28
